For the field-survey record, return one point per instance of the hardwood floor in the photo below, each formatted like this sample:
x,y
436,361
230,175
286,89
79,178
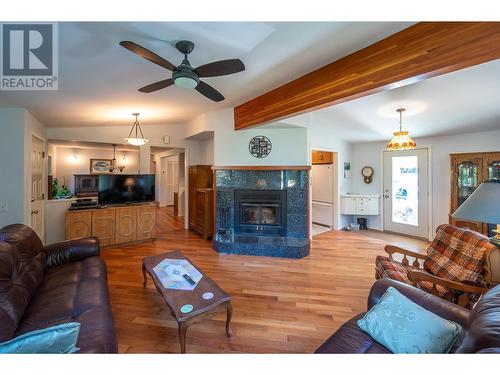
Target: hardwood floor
x,y
279,305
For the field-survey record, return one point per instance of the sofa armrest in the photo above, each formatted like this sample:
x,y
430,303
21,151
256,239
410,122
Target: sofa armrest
x,y
71,250
437,305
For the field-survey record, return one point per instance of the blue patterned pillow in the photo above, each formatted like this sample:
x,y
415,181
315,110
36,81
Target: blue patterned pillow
x,y
405,327
60,339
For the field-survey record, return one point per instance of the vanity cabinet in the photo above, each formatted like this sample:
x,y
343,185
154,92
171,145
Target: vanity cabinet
x,y
359,204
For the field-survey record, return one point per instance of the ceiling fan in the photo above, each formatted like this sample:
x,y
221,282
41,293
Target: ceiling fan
x,y
184,75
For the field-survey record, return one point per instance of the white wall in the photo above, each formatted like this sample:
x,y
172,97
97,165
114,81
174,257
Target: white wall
x,y
441,148
12,165
231,147
66,166
18,127
201,151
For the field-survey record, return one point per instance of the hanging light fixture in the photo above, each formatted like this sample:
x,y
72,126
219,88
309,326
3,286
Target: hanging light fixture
x,y
401,139
113,167
135,136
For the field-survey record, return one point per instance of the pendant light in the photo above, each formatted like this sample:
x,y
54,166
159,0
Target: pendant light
x,y
135,137
401,139
113,167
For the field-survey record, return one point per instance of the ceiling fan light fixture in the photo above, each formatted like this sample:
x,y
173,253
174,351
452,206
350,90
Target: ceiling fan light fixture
x,y
135,137
185,80
401,139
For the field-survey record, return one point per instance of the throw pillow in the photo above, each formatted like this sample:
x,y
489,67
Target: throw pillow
x,y
405,327
60,339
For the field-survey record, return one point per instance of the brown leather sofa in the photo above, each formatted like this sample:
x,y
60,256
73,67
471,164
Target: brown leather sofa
x,y
59,283
481,325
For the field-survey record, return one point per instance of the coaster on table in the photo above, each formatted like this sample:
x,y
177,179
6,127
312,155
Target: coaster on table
x,y
186,309
207,295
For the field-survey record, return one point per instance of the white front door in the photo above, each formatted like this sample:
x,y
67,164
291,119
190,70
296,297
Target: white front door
x,y
406,192
37,188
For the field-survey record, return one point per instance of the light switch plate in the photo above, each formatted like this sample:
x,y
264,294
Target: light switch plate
x,y
3,206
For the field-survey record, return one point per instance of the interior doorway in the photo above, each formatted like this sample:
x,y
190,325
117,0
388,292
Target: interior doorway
x,y
170,174
406,192
324,205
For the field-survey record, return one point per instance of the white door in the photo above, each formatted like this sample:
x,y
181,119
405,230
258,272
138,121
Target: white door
x,y
163,181
406,192
37,188
172,180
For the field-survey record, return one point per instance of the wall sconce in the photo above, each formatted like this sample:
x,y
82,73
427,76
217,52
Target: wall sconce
x,y
74,158
124,158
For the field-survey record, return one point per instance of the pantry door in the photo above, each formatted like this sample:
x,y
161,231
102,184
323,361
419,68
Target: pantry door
x,y
406,192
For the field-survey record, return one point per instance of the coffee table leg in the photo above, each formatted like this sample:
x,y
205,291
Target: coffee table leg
x,y
145,276
228,319
182,336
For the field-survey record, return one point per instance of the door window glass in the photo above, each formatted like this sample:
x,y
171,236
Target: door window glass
x,y
405,190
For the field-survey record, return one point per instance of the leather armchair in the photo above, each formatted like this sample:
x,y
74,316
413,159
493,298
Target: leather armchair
x,y
481,325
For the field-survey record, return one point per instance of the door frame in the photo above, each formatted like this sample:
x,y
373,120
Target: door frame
x,y
42,140
336,195
429,189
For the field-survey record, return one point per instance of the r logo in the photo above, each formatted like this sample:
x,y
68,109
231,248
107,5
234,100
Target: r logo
x,y
27,49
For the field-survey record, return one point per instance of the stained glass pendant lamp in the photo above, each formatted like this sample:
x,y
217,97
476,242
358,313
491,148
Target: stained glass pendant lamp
x,y
135,137
401,139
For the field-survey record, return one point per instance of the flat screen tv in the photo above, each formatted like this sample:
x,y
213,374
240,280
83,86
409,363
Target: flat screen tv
x,y
126,188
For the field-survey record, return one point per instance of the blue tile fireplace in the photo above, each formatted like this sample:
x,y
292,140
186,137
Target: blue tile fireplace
x,y
262,211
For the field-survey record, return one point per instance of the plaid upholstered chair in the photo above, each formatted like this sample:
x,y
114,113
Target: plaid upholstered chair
x,y
460,265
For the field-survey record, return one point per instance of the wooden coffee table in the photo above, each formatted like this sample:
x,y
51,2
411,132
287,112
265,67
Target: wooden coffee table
x,y
175,299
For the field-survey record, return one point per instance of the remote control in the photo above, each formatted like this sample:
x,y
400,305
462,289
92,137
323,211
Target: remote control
x,y
188,279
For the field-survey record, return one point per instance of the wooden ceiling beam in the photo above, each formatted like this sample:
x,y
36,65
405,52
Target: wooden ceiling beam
x,y
421,51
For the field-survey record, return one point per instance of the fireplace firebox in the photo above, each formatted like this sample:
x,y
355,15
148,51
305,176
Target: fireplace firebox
x,y
260,212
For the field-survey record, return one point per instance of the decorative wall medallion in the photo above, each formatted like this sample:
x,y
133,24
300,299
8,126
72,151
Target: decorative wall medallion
x,y
260,146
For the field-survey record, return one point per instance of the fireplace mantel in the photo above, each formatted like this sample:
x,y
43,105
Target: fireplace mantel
x,y
263,167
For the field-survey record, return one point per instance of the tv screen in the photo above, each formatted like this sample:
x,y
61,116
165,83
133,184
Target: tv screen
x,y
126,188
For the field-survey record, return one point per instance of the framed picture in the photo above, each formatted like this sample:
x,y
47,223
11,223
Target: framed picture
x,y
100,166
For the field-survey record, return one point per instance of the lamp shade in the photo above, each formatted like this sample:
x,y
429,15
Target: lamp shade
x,y
482,205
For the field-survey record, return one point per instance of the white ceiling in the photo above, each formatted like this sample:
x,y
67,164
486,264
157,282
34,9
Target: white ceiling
x,y
98,79
461,102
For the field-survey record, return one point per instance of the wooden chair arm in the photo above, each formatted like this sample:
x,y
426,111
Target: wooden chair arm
x,y
391,249
418,276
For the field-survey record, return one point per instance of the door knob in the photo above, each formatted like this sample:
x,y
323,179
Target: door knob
x,y
386,196
34,212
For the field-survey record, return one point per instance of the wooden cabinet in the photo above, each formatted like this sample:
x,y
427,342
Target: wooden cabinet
x,y
200,176
103,226
204,225
78,224
113,225
126,224
468,171
322,157
146,222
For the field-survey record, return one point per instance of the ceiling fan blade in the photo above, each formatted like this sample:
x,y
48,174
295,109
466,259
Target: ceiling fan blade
x,y
147,54
211,93
220,68
157,85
